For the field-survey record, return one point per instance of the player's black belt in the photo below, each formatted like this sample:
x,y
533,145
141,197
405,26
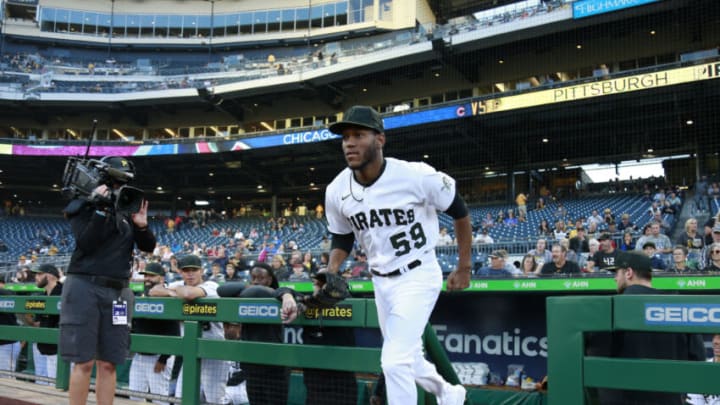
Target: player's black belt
x,y
102,281
413,264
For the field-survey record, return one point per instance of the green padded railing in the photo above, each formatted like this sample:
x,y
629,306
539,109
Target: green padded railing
x,y
570,371
355,313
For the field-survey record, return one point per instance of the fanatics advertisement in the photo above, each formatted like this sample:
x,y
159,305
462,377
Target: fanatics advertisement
x,y
496,329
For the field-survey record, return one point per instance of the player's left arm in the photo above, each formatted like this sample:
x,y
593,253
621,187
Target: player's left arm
x,y
459,279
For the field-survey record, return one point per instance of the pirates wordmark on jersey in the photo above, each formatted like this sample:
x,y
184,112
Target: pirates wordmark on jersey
x,y
381,217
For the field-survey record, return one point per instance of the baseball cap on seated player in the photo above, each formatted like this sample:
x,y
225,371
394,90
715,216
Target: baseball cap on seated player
x,y
48,268
154,269
190,262
360,116
633,260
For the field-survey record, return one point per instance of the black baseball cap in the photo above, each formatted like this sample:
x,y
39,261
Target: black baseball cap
x,y
48,268
190,262
154,269
634,260
360,116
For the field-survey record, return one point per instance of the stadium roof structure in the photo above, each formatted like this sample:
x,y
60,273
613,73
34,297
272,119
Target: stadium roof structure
x,y
659,121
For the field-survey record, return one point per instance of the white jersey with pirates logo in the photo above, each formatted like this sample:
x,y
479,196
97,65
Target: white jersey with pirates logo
x,y
395,218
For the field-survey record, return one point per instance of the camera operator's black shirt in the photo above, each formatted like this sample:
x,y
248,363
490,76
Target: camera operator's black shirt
x,y
104,245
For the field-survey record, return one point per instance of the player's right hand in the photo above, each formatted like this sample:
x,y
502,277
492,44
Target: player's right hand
x,y
458,280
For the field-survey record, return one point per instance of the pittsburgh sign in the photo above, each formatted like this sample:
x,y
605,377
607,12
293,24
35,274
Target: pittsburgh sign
x,y
338,312
199,309
38,305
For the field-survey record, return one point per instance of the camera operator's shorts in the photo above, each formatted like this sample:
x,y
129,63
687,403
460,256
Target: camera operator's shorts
x,y
86,328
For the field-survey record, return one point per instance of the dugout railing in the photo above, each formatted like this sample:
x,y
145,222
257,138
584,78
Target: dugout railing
x,y
353,313
570,371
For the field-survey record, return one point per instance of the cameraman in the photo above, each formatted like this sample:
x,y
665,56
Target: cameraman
x,y
96,301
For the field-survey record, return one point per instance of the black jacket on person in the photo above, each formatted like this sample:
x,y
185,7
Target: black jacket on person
x,y
645,345
104,244
7,318
49,321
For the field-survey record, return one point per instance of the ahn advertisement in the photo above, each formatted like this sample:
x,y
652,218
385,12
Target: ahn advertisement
x,y
496,329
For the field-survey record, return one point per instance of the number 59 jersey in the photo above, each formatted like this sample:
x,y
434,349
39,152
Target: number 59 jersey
x,y
394,219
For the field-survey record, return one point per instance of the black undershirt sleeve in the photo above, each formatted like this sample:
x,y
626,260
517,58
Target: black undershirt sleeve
x,y
344,242
457,209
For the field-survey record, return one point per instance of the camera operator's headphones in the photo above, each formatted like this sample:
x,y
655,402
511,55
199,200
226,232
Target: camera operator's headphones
x,y
119,168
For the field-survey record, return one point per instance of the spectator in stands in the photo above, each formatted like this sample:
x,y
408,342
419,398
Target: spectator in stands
x,y
511,220
606,254
230,273
691,239
608,216
544,229
309,263
359,268
529,266
595,218
488,221
592,230
500,218
660,220
540,253
324,260
213,373
713,263
571,255
701,194
540,204
559,263
625,223
656,259
521,201
559,232
705,256
444,239
674,202
628,242
324,244
497,267
680,262
612,228
216,273
279,267
297,271
484,237
560,212
579,243
662,242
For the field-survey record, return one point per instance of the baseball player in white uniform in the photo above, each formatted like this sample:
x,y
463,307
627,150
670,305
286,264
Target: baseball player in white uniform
x,y
703,399
390,207
213,373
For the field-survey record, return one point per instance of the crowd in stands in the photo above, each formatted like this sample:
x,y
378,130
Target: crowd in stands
x,y
585,231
